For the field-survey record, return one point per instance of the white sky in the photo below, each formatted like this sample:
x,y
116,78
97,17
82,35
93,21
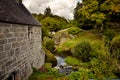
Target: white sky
x,y
62,8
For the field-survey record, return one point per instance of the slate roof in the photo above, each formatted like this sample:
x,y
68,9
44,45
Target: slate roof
x,y
13,11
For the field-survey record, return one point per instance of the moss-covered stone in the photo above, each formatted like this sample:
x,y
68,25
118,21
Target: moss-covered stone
x,y
62,36
50,58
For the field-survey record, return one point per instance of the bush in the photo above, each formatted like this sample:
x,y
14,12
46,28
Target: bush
x,y
45,32
83,51
109,35
49,44
72,61
51,71
75,76
115,47
82,74
74,30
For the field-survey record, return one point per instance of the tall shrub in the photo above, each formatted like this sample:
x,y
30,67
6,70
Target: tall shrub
x,y
49,44
83,51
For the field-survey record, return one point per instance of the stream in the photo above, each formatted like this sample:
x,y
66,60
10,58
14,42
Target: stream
x,y
62,66
60,61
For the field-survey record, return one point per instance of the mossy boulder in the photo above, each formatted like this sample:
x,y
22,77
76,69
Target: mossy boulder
x,y
66,34
50,58
62,36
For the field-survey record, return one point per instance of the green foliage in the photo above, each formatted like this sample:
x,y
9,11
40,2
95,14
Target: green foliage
x,y
116,42
53,23
109,35
48,43
74,30
82,74
51,71
76,10
97,12
72,61
98,18
51,74
89,14
50,24
75,76
39,16
115,47
111,7
81,37
72,23
83,51
45,32
102,68
36,75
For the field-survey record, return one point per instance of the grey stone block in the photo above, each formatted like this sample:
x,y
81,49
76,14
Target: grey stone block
x,y
1,48
15,45
2,36
6,29
11,40
2,55
11,53
3,41
7,47
9,35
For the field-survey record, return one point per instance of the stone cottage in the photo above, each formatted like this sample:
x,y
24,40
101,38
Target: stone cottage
x,y
20,41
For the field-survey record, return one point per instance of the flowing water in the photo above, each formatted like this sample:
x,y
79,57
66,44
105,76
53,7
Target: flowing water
x,y
65,69
62,66
60,61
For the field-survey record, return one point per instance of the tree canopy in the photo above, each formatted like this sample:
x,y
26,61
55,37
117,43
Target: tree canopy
x,y
50,22
96,12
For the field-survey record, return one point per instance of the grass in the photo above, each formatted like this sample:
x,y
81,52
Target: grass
x,y
82,36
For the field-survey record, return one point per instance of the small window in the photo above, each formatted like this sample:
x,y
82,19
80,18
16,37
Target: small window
x,y
29,32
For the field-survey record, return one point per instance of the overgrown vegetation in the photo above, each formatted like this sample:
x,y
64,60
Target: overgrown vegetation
x,y
48,43
47,73
115,47
74,30
83,51
94,46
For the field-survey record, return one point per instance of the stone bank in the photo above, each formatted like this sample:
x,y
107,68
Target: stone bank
x,y
20,41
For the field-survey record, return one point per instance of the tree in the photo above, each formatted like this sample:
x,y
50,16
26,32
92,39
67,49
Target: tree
x,y
39,16
112,9
52,24
78,6
89,15
47,12
97,13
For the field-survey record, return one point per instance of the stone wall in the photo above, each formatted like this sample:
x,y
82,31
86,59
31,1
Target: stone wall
x,y
62,36
20,50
